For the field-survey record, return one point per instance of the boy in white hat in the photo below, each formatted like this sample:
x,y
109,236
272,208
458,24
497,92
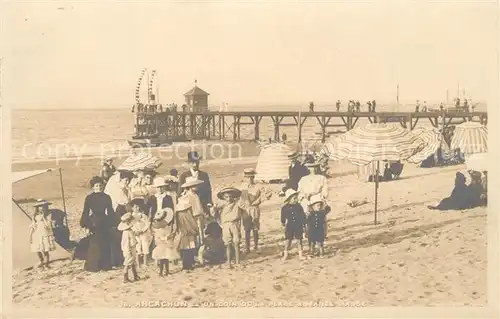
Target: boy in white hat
x,y
229,214
316,224
128,245
293,220
190,192
164,233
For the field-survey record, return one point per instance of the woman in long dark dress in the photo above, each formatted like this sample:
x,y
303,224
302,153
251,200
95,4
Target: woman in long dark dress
x,y
459,198
95,218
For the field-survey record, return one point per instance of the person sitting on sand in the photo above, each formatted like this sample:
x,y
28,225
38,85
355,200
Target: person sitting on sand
x,y
213,250
229,214
142,230
459,198
190,192
293,219
387,173
164,233
41,236
316,223
187,232
128,246
475,189
396,169
252,196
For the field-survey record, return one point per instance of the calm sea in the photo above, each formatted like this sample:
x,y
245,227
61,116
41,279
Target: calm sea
x,y
38,134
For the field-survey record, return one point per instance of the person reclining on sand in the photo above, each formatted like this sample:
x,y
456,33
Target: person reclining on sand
x,y
213,250
459,198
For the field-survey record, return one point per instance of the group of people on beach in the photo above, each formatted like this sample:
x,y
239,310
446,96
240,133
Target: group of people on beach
x,y
134,216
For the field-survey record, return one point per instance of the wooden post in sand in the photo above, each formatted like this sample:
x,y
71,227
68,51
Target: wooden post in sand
x,y
62,189
376,190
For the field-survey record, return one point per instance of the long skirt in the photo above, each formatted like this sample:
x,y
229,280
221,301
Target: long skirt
x,y
99,251
116,248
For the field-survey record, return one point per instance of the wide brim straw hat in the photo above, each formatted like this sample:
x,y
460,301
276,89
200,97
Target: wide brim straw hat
x,y
316,199
42,202
234,191
191,183
159,182
166,214
126,222
289,194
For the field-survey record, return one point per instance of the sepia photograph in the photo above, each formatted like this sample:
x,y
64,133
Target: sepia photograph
x,y
254,155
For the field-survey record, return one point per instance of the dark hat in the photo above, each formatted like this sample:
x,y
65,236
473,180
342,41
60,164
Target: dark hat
x,y
249,172
137,201
193,157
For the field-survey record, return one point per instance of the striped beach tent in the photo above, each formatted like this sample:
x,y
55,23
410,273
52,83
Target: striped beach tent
x,y
433,139
141,161
374,143
470,138
273,162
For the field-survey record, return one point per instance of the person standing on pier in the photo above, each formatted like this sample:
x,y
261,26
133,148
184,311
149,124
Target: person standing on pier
x,y
369,103
358,106
337,105
311,106
424,108
417,107
374,104
204,189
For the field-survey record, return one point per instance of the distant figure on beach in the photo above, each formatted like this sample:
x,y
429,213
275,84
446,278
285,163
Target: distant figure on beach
x,y
459,198
295,171
424,108
337,105
41,236
108,169
457,103
96,209
417,107
441,107
204,190
311,106
283,138
369,103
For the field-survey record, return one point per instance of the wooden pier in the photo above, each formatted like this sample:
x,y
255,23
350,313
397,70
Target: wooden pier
x,y
177,126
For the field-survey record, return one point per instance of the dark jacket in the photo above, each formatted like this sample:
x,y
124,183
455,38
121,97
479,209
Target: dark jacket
x,y
295,173
167,202
204,190
293,216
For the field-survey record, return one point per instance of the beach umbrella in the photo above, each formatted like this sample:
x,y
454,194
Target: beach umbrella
x,y
273,162
374,143
141,161
433,139
477,162
470,138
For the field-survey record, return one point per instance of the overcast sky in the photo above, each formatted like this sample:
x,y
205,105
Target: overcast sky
x,y
90,54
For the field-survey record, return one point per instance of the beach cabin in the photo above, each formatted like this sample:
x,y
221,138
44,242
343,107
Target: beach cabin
x,y
196,99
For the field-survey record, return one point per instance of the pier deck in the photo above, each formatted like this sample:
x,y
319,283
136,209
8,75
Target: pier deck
x,y
218,125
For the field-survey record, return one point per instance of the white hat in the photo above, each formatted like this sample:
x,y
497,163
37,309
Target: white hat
x,y
166,214
191,181
316,199
159,182
289,193
127,221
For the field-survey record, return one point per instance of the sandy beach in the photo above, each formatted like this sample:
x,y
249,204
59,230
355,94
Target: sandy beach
x,y
414,257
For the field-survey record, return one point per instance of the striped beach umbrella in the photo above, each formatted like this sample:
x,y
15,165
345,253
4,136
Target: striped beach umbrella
x,y
273,162
374,143
433,139
141,161
470,138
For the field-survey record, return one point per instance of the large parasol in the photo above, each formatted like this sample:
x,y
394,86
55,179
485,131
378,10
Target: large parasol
x,y
141,161
470,138
433,139
477,162
374,142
